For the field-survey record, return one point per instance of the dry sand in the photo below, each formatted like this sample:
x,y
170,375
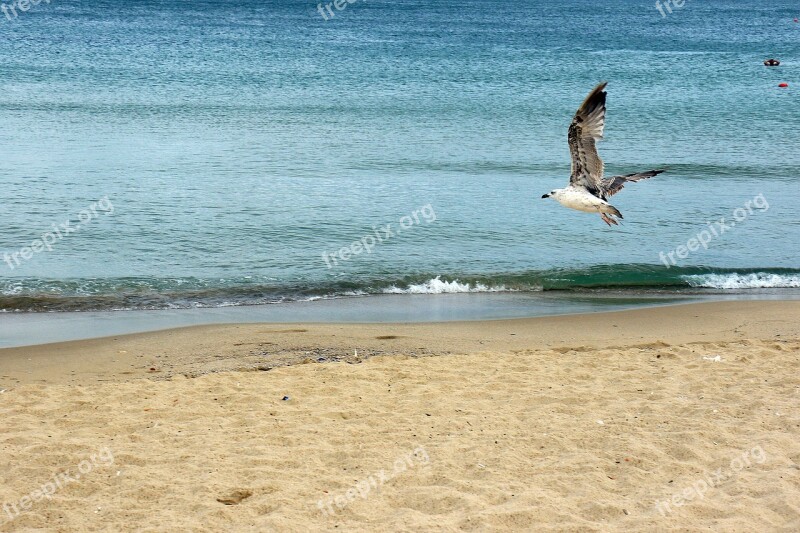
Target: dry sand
x,y
574,423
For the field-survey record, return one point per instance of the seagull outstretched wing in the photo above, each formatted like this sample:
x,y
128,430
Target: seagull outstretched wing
x,y
586,128
611,186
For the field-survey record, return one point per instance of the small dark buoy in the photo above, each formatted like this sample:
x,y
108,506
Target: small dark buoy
x,y
771,62
783,85
285,398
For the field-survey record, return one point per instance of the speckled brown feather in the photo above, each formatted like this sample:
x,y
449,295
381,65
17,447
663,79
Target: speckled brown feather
x,y
586,128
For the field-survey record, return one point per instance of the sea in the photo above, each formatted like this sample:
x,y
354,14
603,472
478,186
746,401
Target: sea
x,y
161,155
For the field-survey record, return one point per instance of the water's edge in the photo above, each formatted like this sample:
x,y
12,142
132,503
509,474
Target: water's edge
x,y
29,329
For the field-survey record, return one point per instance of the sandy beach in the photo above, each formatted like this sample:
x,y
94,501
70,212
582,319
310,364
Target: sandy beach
x,y
682,417
364,266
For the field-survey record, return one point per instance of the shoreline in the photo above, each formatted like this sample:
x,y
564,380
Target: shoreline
x,y
196,350
32,329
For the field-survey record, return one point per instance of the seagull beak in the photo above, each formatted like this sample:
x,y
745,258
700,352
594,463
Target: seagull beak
x,y
545,196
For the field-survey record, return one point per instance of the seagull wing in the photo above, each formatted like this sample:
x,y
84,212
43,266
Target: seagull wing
x,y
611,186
586,128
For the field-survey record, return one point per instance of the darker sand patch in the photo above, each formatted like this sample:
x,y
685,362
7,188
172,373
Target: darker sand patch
x,y
236,497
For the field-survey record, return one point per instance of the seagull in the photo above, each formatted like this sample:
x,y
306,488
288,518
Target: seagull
x,y
588,191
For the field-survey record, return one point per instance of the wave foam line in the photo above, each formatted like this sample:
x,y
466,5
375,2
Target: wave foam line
x,y
438,286
755,280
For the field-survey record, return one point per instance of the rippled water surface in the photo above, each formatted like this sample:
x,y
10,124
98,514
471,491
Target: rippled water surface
x,y
209,154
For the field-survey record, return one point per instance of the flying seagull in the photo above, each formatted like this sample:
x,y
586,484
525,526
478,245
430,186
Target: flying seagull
x,y
587,190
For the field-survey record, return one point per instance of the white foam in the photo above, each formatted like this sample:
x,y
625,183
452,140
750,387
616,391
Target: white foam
x,y
357,292
438,286
756,280
12,289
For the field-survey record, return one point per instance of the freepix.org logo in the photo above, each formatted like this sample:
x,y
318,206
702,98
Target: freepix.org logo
x,y
59,231
12,9
712,231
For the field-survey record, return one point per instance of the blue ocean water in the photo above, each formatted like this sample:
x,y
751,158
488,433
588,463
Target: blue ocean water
x,y
214,153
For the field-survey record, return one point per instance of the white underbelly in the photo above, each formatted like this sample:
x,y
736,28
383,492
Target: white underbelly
x,y
581,201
